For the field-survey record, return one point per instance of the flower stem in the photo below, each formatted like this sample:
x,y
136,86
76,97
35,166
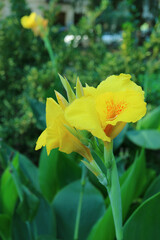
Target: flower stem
x,y
83,182
114,192
49,49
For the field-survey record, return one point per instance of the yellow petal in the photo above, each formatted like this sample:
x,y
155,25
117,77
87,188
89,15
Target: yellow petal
x,y
41,140
69,143
29,21
116,83
125,106
89,91
52,137
53,110
56,135
82,115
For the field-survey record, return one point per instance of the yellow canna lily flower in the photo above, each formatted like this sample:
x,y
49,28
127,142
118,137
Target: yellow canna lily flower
x,y
29,22
105,110
56,135
36,23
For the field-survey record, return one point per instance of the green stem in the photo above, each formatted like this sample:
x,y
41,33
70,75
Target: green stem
x,y
83,182
49,49
114,192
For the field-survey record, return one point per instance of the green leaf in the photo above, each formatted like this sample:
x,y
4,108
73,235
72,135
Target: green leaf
x,y
20,230
134,184
46,237
27,208
39,111
45,221
79,89
26,166
149,139
114,193
144,222
30,171
6,154
70,94
8,190
67,169
48,178
153,188
150,121
5,227
66,203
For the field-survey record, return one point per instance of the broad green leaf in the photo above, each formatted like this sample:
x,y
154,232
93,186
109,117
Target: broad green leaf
x,y
67,169
16,179
30,171
28,201
145,221
153,188
150,121
45,237
149,139
6,154
134,184
44,223
8,190
66,203
20,230
39,111
27,208
48,178
5,227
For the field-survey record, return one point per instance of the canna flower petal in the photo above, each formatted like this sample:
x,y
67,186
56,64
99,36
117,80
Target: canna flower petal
x,y
56,134
105,110
89,91
116,83
125,106
41,140
29,21
53,110
82,115
36,23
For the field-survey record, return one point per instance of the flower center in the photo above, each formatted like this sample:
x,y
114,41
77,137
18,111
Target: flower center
x,y
114,109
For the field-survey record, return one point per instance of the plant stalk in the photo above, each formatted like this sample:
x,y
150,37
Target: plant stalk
x,y
78,216
49,49
113,189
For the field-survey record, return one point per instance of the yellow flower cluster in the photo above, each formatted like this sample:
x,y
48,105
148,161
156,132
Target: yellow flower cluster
x,y
36,23
103,111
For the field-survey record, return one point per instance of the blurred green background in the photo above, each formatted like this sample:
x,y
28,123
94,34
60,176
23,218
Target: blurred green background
x,y
92,40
